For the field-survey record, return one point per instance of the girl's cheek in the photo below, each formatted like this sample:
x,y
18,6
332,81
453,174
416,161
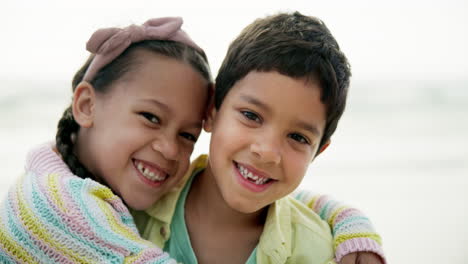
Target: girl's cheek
x,y
187,152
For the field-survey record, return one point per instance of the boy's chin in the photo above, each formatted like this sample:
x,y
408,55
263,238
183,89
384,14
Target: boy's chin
x,y
247,207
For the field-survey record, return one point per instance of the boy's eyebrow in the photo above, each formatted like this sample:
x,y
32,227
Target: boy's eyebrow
x,y
302,124
309,127
255,101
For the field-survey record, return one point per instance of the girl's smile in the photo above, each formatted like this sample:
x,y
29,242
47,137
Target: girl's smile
x,y
140,134
150,173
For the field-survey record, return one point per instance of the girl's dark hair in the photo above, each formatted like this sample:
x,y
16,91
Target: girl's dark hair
x,y
114,71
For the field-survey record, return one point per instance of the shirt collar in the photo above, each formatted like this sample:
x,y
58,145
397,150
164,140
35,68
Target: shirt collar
x,y
164,209
275,241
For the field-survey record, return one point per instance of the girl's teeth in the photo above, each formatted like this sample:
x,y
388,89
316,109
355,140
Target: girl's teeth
x,y
150,174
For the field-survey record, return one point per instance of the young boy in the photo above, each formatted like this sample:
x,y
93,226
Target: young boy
x,y
279,95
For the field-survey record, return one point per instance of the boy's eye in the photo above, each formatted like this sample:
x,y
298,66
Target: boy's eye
x,y
189,137
150,117
299,138
251,116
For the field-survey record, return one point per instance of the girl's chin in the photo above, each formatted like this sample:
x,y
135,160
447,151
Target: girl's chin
x,y
139,205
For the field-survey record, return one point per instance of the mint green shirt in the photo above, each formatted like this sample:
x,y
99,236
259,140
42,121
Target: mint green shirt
x,y
178,246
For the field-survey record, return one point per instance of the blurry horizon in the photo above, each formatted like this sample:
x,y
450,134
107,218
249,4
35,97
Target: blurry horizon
x,y
405,40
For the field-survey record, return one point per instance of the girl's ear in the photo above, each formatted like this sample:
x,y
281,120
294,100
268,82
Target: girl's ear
x,y
210,112
83,104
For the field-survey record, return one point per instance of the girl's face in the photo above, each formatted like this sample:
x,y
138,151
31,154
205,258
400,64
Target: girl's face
x,y
139,136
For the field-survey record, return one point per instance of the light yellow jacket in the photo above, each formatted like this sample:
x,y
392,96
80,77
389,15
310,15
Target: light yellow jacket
x,y
293,233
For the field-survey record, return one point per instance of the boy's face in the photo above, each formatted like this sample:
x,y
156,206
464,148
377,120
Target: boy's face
x,y
264,136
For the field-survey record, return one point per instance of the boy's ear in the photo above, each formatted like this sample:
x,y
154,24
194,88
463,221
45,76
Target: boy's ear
x,y
210,112
83,104
324,147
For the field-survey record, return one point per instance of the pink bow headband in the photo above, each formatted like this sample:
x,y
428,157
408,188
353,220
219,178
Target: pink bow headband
x,y
108,43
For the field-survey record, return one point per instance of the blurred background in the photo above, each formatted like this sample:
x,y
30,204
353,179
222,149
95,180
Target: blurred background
x,y
400,153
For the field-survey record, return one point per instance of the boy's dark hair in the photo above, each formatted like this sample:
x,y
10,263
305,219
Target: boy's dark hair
x,y
297,46
127,62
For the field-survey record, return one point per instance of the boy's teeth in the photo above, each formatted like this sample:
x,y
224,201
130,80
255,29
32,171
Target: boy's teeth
x,y
152,175
246,174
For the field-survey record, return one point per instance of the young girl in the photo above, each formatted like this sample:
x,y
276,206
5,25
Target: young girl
x,y
125,141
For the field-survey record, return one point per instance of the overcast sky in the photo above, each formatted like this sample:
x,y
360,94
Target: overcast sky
x,y
422,40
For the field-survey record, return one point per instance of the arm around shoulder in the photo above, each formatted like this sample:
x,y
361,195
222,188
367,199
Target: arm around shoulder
x,y
352,230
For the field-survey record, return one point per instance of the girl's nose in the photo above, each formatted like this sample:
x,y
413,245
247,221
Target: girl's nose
x,y
167,146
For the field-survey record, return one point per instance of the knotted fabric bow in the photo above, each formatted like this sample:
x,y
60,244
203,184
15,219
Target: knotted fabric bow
x,y
108,43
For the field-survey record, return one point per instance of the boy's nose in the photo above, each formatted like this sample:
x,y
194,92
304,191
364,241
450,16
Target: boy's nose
x,y
266,150
167,146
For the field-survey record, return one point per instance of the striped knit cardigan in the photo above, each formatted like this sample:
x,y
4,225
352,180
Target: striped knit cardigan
x,y
352,230
52,216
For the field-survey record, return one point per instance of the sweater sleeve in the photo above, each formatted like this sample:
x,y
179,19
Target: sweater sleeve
x,y
66,219
352,230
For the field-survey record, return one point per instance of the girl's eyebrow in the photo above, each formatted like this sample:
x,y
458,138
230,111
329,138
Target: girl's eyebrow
x,y
197,125
167,109
162,105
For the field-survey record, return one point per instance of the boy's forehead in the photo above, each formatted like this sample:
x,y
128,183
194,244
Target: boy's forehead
x,y
271,83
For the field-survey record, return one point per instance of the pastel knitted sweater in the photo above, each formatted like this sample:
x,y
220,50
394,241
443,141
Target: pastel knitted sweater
x,y
352,230
53,216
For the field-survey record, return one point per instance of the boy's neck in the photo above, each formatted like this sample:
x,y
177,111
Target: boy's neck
x,y
219,234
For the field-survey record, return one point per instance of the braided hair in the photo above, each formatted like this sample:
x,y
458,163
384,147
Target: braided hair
x,y
68,128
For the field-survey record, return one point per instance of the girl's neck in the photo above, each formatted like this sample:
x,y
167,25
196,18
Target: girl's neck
x,y
205,199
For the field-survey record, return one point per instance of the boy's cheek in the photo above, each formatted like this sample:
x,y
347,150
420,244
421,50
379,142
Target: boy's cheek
x,y
296,167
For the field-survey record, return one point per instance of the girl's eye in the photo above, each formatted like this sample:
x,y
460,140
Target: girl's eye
x,y
251,116
189,137
150,117
299,138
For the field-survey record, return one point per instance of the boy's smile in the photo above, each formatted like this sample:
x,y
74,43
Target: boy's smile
x,y
252,178
264,136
